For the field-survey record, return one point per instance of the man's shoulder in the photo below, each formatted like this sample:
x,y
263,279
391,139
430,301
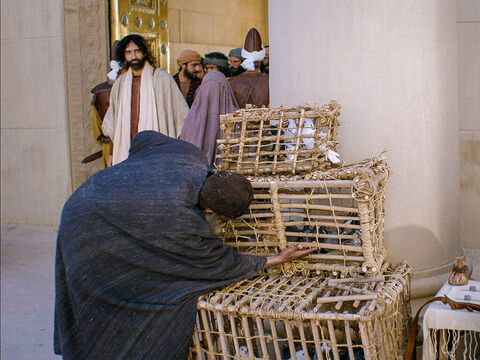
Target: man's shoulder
x,y
247,76
160,75
101,87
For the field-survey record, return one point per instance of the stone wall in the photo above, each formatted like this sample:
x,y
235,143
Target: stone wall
x,y
468,25
393,67
35,164
213,25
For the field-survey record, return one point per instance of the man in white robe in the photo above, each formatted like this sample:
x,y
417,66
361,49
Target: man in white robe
x,y
142,98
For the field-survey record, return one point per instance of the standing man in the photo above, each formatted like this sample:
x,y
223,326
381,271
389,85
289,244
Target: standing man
x,y
265,66
202,126
143,98
188,75
235,59
133,257
251,87
216,61
100,104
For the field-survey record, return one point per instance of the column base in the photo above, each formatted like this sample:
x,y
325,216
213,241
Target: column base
x,y
426,282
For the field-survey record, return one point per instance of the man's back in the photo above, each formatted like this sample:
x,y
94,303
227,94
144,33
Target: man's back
x,y
251,88
133,253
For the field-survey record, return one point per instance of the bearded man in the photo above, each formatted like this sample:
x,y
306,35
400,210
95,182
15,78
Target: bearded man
x,y
216,61
235,59
143,98
251,87
188,77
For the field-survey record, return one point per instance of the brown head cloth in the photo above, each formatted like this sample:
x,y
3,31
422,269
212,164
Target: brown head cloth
x,y
188,55
226,193
113,52
253,41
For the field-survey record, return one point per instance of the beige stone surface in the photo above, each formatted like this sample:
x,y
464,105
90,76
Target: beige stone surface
x,y
196,27
468,10
33,83
469,75
218,7
237,7
9,24
227,31
35,167
470,189
35,181
392,65
261,26
174,25
468,25
38,19
257,9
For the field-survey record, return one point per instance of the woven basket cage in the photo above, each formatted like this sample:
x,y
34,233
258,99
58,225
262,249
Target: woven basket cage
x,y
279,317
278,140
340,211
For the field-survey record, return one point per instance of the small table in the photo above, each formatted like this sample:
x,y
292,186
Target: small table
x,y
445,330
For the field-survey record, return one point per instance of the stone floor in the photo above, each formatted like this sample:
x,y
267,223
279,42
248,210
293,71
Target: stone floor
x,y
27,291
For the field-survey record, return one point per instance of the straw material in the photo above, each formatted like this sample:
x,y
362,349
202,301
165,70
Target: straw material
x,y
290,140
340,211
277,317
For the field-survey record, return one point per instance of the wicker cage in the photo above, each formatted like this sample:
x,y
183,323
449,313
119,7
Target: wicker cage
x,y
278,140
340,211
278,317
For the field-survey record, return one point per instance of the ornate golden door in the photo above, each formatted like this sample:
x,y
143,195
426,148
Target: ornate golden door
x,y
144,17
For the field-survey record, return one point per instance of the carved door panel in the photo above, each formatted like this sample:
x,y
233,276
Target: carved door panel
x,y
144,17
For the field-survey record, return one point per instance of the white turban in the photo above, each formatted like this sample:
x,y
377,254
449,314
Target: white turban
x,y
115,66
251,57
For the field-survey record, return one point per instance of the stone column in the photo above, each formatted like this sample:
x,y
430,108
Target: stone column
x,y
393,66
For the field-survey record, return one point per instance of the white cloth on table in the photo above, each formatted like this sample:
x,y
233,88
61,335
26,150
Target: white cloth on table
x,y
440,316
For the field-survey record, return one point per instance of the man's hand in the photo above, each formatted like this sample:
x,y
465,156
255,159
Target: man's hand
x,y
288,255
109,160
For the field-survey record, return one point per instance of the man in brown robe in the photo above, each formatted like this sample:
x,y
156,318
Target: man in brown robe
x,y
143,98
100,103
187,77
251,87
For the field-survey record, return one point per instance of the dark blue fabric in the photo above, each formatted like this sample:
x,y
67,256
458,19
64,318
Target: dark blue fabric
x,y
134,252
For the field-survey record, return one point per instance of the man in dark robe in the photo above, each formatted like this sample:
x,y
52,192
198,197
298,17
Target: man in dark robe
x,y
134,252
251,87
187,77
202,125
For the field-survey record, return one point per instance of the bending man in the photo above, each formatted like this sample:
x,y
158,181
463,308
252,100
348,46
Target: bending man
x,y
134,252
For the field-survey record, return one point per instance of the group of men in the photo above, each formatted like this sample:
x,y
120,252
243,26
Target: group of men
x,y
145,98
137,241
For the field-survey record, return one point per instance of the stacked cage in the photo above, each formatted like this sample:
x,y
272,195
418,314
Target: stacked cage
x,y
341,301
280,317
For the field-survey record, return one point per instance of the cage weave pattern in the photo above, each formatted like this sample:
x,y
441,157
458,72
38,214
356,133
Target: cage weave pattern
x,y
279,317
340,211
279,140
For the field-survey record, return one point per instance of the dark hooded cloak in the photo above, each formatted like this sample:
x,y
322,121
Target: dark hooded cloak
x,y
134,252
